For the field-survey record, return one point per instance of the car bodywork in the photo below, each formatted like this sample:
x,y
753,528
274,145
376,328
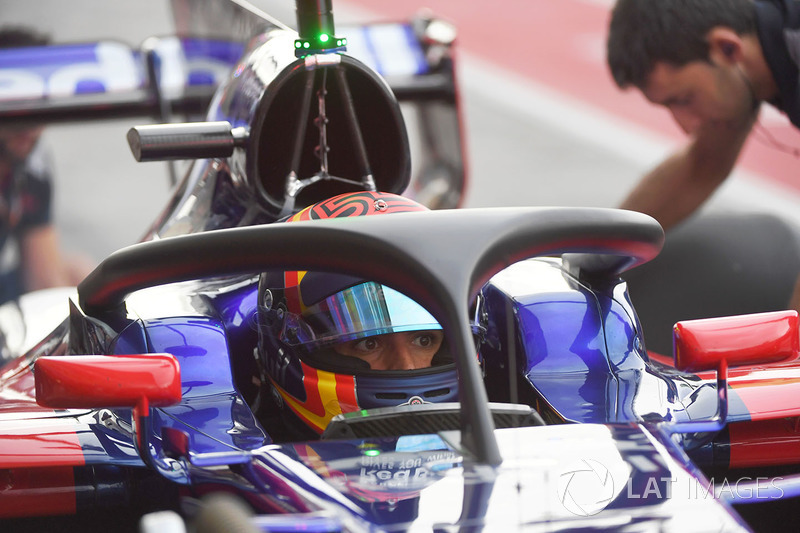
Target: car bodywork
x,y
144,396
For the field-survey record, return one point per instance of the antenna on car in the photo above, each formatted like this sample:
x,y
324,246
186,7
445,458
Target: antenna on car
x,y
318,44
317,34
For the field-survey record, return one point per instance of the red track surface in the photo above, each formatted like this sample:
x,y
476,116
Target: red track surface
x,y
561,44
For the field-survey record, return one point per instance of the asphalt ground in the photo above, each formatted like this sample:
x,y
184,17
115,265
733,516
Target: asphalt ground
x,y
532,139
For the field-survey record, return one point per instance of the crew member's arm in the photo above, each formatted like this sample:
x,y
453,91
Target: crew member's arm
x,y
679,185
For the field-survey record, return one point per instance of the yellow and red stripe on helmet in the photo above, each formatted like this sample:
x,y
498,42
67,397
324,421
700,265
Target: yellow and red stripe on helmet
x,y
327,395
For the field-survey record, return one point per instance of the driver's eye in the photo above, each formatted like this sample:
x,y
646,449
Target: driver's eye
x,y
424,341
367,345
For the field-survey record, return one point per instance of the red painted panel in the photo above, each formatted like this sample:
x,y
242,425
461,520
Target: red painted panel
x,y
768,393
38,443
739,340
765,443
37,492
17,390
107,381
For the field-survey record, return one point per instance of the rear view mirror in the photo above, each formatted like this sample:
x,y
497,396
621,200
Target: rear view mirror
x,y
714,343
89,381
94,381
719,343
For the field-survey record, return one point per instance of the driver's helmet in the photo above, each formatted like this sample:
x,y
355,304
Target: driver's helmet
x,y
315,326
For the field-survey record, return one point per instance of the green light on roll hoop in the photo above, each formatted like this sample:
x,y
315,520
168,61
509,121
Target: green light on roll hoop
x,y
324,43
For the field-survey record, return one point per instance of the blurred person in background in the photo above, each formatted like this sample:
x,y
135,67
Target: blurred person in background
x,y
30,254
711,63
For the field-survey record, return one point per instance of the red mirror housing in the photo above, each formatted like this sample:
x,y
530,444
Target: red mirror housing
x,y
89,381
709,343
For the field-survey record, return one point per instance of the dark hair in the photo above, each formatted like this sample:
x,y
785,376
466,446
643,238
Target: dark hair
x,y
21,36
644,32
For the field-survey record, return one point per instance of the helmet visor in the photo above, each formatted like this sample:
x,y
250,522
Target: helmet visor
x,y
359,311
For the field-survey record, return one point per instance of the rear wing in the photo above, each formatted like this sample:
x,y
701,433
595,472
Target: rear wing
x,y
98,80
107,79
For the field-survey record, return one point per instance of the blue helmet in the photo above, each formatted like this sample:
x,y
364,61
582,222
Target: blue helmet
x,y
316,326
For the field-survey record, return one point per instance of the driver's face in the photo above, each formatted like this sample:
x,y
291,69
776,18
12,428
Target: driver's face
x,y
408,350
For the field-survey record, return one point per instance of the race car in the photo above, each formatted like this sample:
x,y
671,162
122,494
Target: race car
x,y
242,363
180,357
